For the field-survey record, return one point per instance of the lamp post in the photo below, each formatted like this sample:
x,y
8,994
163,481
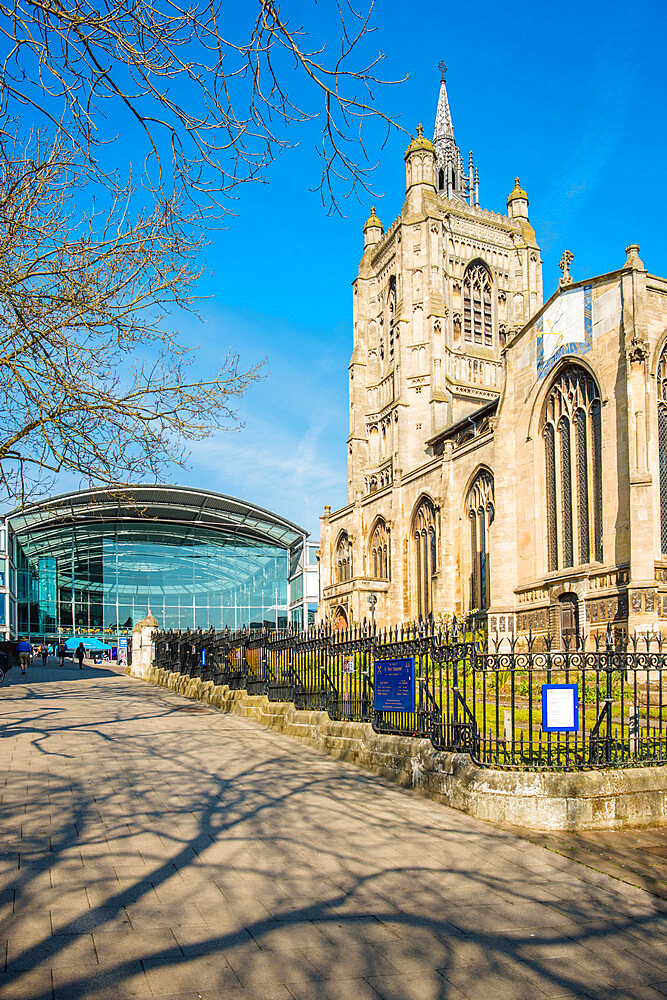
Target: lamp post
x,y
372,601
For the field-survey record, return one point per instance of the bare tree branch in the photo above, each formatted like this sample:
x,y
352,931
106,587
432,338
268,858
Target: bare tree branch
x,y
89,380
219,101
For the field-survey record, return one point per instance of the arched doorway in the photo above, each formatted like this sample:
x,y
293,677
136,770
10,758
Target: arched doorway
x,y
339,619
568,607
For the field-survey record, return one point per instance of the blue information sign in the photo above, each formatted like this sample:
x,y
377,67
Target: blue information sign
x,y
203,657
395,685
560,708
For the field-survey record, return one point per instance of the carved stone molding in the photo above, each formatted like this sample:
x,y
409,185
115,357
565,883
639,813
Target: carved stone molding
x,y
638,351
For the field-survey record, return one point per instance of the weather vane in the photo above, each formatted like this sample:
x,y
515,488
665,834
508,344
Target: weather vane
x,y
443,70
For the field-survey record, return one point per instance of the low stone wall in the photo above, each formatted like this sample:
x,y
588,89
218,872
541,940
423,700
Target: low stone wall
x,y
585,800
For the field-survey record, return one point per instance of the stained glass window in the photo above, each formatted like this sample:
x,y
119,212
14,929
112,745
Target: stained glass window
x,y
573,483
477,311
480,509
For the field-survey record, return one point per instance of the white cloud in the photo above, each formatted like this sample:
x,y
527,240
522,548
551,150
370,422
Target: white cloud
x,y
291,473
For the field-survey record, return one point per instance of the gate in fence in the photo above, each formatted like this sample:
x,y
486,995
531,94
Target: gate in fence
x,y
519,704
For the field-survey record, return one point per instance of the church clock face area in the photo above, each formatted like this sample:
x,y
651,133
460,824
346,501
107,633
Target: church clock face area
x,y
455,365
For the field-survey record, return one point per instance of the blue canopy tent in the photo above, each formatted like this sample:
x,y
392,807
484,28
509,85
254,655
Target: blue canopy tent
x,y
74,641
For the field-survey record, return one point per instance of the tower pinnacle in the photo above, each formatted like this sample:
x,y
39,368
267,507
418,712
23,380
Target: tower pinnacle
x,y
452,181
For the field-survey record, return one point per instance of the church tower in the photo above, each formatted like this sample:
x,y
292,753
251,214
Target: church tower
x,y
438,293
435,299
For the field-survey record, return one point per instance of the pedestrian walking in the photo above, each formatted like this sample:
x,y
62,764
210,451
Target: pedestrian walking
x,y
80,653
24,649
62,649
44,652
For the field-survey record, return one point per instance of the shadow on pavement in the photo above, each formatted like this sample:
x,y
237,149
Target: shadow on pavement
x,y
192,853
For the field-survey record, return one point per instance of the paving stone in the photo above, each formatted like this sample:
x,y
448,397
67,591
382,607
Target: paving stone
x,y
35,984
194,975
124,981
416,986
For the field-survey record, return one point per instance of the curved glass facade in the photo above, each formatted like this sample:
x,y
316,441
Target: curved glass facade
x,y
97,575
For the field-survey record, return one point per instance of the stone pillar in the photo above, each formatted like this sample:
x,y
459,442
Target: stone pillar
x,y
642,596
142,645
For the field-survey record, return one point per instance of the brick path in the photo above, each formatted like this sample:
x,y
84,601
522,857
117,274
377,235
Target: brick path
x,y
153,847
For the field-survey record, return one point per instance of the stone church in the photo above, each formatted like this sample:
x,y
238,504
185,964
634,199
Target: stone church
x,y
506,456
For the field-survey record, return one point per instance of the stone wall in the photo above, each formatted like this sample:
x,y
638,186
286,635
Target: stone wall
x,y
588,800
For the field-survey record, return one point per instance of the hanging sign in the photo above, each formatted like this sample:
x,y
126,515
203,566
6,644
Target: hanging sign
x,y
348,666
560,708
203,657
395,685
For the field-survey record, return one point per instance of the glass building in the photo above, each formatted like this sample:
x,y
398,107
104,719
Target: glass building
x,y
93,563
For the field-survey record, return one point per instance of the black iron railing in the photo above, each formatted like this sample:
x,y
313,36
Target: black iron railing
x,y
484,699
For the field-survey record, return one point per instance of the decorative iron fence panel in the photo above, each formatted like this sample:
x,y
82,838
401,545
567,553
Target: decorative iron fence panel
x,y
471,696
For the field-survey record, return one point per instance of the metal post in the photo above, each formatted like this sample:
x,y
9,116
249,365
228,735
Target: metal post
x,y
372,601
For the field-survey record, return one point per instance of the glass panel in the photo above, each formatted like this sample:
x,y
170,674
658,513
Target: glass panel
x,y
662,446
582,485
296,588
566,490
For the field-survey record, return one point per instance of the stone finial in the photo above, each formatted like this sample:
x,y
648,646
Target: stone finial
x,y
373,222
517,201
564,265
443,70
373,229
632,260
420,130
517,193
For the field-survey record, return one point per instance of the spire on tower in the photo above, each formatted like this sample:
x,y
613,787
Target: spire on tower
x,y
449,170
443,130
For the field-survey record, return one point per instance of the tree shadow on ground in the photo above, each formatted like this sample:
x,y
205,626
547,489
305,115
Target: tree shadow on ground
x,y
204,846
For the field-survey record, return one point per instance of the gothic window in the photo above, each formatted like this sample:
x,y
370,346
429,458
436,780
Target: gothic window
x,y
424,532
572,432
477,313
343,558
441,180
380,551
480,508
391,313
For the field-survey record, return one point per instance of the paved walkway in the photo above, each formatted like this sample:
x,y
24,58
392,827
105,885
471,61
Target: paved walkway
x,y
153,847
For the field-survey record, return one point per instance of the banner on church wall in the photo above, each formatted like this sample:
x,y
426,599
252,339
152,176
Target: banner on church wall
x,y
565,327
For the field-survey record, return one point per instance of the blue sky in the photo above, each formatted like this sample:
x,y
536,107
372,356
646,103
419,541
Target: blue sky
x,y
568,97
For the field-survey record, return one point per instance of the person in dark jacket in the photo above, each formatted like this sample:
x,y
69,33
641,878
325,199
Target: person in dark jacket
x,y
80,653
44,652
62,649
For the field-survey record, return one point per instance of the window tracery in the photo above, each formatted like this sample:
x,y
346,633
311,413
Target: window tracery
x,y
480,507
477,310
572,432
343,558
380,551
425,542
